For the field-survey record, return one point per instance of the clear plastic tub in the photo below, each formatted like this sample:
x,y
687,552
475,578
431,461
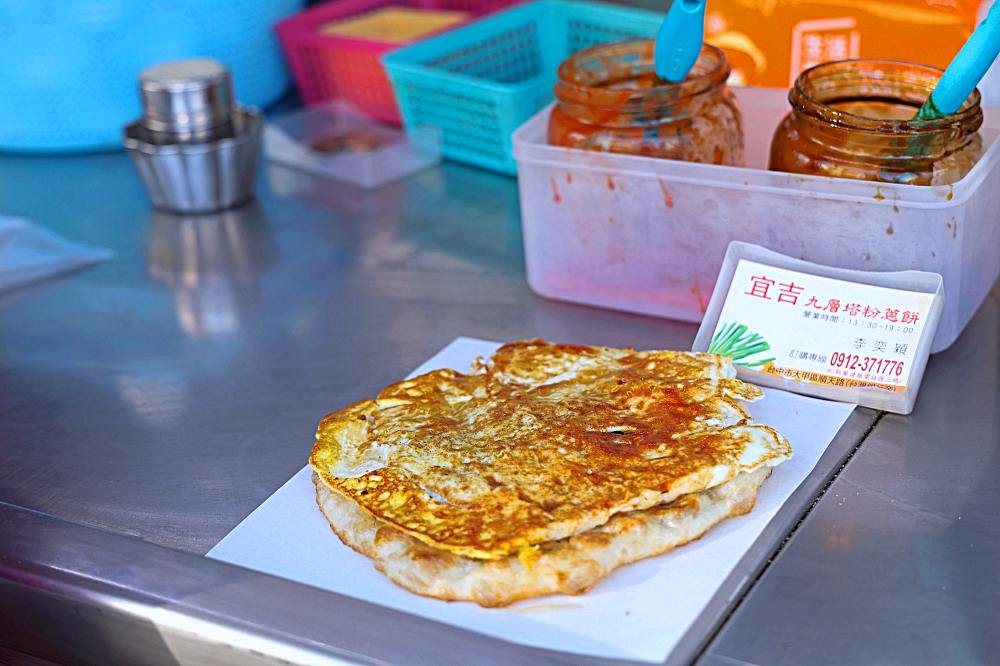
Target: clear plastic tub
x,y
649,235
333,141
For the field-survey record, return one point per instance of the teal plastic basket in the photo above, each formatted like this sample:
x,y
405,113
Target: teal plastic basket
x,y
478,83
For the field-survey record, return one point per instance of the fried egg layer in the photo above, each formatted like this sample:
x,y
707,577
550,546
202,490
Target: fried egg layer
x,y
542,442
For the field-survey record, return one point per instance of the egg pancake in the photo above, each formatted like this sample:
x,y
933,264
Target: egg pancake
x,y
568,566
541,443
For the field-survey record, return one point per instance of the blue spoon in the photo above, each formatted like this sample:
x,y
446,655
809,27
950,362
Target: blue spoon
x,y
678,43
965,71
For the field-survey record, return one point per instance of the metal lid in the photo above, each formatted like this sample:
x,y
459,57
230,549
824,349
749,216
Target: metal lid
x,y
185,95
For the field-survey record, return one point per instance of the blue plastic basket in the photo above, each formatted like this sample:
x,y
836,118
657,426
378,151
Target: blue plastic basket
x,y
69,69
478,83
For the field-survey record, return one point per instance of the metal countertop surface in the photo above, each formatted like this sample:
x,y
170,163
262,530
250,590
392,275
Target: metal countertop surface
x,y
148,404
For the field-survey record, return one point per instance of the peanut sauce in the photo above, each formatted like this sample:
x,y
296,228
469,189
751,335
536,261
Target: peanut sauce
x,y
855,119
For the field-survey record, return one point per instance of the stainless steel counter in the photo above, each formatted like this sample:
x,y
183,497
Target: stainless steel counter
x,y
898,562
148,404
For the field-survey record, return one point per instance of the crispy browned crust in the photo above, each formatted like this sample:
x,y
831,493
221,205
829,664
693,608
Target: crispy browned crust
x,y
541,443
568,566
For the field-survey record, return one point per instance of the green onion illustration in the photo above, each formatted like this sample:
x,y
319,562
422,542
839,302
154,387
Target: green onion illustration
x,y
737,341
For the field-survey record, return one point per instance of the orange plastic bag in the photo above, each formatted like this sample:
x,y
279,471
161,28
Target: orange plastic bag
x,y
768,42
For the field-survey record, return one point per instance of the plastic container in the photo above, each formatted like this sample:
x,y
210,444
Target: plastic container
x,y
477,83
68,67
331,66
334,142
649,235
782,372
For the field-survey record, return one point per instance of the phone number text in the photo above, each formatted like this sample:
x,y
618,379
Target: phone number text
x,y
882,366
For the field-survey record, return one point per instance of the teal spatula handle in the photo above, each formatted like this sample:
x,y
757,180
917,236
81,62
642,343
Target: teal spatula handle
x,y
966,69
678,43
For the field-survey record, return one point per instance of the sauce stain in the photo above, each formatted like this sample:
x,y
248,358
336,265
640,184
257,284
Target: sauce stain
x,y
702,301
569,177
951,193
878,195
889,230
668,199
555,192
611,182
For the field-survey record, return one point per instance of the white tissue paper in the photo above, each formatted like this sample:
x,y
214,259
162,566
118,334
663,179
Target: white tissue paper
x,y
29,253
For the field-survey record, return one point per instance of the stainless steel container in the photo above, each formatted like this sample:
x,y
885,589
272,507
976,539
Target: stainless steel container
x,y
196,151
186,98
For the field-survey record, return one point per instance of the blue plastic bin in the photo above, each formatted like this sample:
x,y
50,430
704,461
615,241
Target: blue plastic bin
x,y
478,83
69,69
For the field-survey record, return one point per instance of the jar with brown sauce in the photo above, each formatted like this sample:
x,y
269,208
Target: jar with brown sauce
x,y
854,119
609,99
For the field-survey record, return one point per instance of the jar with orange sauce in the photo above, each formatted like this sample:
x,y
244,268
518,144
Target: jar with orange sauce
x,y
609,99
854,119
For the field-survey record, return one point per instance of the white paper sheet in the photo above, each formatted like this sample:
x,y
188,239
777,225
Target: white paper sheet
x,y
639,612
29,253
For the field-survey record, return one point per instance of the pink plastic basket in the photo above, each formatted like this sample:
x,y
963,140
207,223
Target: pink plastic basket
x,y
337,66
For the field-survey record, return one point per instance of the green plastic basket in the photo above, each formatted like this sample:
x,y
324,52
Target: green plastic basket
x,y
478,83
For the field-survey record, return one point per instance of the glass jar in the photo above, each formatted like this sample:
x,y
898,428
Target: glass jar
x,y
854,119
610,100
